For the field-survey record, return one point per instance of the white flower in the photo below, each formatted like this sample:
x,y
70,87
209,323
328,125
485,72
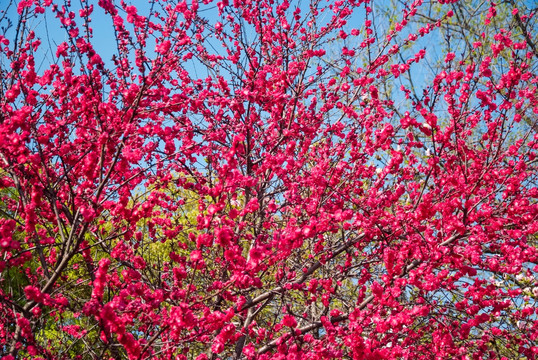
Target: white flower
x,y
235,202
